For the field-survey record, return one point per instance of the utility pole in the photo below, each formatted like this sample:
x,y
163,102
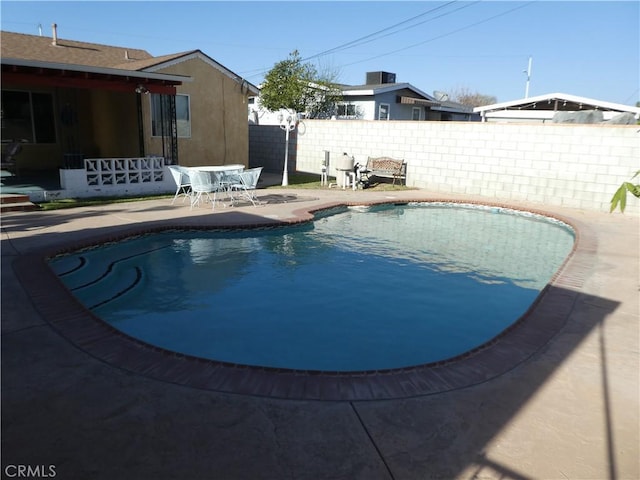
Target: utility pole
x,y
528,72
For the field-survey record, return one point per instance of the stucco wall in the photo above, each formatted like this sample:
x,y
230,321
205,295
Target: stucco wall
x,y
219,129
114,119
577,166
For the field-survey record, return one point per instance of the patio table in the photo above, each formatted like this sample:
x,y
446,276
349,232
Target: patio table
x,y
227,173
234,167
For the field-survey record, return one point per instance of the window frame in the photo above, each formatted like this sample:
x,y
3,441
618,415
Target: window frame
x,y
347,107
413,113
35,121
388,112
179,131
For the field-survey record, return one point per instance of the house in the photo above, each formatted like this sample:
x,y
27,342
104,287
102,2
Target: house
x,y
554,107
70,100
381,98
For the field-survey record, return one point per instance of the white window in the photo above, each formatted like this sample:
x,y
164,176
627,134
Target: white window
x,y
383,111
183,115
415,113
346,110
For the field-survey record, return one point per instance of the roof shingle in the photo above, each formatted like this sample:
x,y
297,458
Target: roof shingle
x,y
150,62
33,47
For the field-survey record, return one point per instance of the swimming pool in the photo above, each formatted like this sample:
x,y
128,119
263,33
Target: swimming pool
x,y
358,289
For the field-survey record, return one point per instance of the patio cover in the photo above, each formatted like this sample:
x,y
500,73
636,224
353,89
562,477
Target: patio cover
x,y
416,101
36,72
544,106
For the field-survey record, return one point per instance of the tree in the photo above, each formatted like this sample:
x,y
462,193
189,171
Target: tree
x,y
472,99
297,86
620,197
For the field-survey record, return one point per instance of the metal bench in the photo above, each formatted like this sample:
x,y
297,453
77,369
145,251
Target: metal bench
x,y
386,167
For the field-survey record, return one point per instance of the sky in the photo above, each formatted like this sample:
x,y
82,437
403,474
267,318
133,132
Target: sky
x,y
584,48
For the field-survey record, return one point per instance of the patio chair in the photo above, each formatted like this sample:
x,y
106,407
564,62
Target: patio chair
x,y
9,162
204,183
246,184
183,183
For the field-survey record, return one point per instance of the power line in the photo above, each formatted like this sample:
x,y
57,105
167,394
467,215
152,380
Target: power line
x,y
630,97
368,38
353,42
467,5
441,36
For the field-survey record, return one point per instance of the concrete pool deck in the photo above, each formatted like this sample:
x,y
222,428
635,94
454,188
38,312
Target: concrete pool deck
x,y
568,410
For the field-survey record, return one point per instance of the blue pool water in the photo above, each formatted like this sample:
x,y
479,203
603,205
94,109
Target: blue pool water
x,y
358,289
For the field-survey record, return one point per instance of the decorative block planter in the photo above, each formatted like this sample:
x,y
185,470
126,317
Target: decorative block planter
x,y
105,177
72,178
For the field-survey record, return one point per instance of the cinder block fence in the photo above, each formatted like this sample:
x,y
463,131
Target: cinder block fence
x,y
577,166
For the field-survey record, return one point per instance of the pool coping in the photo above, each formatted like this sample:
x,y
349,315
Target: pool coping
x,y
544,319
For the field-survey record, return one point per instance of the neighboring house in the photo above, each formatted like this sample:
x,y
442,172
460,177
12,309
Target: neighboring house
x,y
70,100
453,112
381,98
544,108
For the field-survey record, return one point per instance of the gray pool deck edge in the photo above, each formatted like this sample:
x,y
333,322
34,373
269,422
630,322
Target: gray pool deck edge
x,y
607,254
98,339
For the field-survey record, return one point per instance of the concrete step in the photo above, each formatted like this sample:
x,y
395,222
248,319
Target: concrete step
x,y
13,198
12,202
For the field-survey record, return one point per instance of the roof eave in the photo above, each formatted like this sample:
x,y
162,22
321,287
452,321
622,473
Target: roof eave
x,y
561,97
384,88
98,70
206,58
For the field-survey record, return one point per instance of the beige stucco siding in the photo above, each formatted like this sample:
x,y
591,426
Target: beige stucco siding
x,y
115,124
219,129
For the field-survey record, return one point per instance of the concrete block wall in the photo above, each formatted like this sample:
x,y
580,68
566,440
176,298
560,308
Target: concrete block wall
x,y
267,147
577,166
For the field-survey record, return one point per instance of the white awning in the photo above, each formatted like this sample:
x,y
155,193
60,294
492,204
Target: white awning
x,y
416,101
